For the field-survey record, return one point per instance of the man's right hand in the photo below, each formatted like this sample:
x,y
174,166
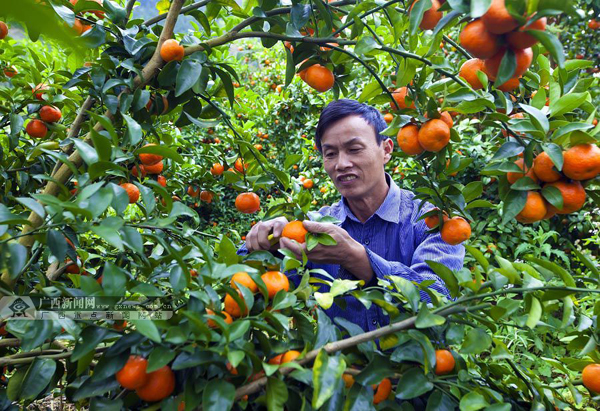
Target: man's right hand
x,y
257,239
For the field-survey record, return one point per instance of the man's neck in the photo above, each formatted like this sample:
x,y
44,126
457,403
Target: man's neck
x,y
364,208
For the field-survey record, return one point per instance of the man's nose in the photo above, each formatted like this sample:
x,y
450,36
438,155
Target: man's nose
x,y
343,162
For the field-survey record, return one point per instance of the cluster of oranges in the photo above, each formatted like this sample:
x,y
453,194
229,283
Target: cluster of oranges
x,y
489,38
150,164
433,135
581,162
151,387
79,26
454,230
38,128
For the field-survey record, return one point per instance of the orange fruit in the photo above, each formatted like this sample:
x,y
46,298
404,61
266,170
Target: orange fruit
x,y
319,77
431,17
594,24
573,195
172,50
582,162
206,196
217,169
456,230
132,191
523,57
399,96
348,380
290,356
510,85
434,135
468,71
155,168
119,325
275,281
72,267
10,71
478,41
544,169
160,385
149,159
3,30
295,231
212,324
161,180
134,171
247,203
591,377
232,307
36,129
388,117
434,220
497,19
308,184
444,362
133,374
193,193
408,140
518,39
447,118
244,279
39,90
384,388
534,210
240,165
513,177
50,114
276,360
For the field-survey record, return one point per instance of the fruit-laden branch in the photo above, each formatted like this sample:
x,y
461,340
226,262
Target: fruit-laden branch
x,y
351,342
64,173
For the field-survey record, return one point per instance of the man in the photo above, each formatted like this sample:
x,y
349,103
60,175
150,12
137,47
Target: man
x,y
379,234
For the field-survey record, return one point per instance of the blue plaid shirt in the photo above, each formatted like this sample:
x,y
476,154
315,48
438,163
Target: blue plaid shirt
x,y
396,243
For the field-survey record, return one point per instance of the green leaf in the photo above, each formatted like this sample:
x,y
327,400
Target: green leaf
x,y
513,204
508,149
478,255
476,341
16,260
365,45
555,153
567,103
134,132
407,289
32,205
87,152
550,43
114,280
91,336
327,377
57,243
472,401
446,275
553,196
290,68
425,319
188,74
38,376
93,388
416,15
535,313
556,269
539,119
413,384
507,68
102,145
218,395
472,190
277,394
147,328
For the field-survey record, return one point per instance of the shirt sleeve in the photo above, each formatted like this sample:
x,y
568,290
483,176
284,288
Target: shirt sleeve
x,y
429,247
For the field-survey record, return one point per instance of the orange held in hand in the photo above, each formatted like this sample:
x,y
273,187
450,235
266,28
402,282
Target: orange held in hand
x,y
295,230
132,191
133,375
171,50
434,220
456,230
244,279
408,140
275,281
434,135
160,385
247,203
444,362
36,129
319,77
50,114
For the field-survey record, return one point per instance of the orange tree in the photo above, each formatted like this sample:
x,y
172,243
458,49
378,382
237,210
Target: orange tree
x,y
132,153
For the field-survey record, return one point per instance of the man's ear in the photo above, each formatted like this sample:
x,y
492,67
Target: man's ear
x,y
388,148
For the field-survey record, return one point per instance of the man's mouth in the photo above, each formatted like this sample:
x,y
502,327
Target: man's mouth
x,y
346,178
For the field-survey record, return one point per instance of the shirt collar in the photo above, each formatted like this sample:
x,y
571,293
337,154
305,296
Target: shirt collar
x,y
388,210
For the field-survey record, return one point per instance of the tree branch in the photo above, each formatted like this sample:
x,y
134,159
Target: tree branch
x,y
161,17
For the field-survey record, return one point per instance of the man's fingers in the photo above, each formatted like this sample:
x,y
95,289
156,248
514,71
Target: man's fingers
x,y
315,227
278,226
291,245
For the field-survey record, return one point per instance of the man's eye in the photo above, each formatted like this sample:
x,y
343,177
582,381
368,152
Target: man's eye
x,y
329,155
354,150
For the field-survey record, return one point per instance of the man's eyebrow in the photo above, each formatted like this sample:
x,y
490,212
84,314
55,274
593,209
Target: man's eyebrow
x,y
347,143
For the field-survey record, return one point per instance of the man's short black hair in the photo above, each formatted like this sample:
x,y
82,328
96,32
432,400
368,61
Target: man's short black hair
x,y
339,109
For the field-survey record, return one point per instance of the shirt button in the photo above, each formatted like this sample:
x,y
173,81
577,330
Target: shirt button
x,y
367,242
374,322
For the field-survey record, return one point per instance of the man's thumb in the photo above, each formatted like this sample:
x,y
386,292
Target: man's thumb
x,y
315,227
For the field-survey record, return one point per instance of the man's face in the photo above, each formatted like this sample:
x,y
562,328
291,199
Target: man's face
x,y
352,157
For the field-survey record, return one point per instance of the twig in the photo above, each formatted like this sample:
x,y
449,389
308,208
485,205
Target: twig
x,y
161,17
